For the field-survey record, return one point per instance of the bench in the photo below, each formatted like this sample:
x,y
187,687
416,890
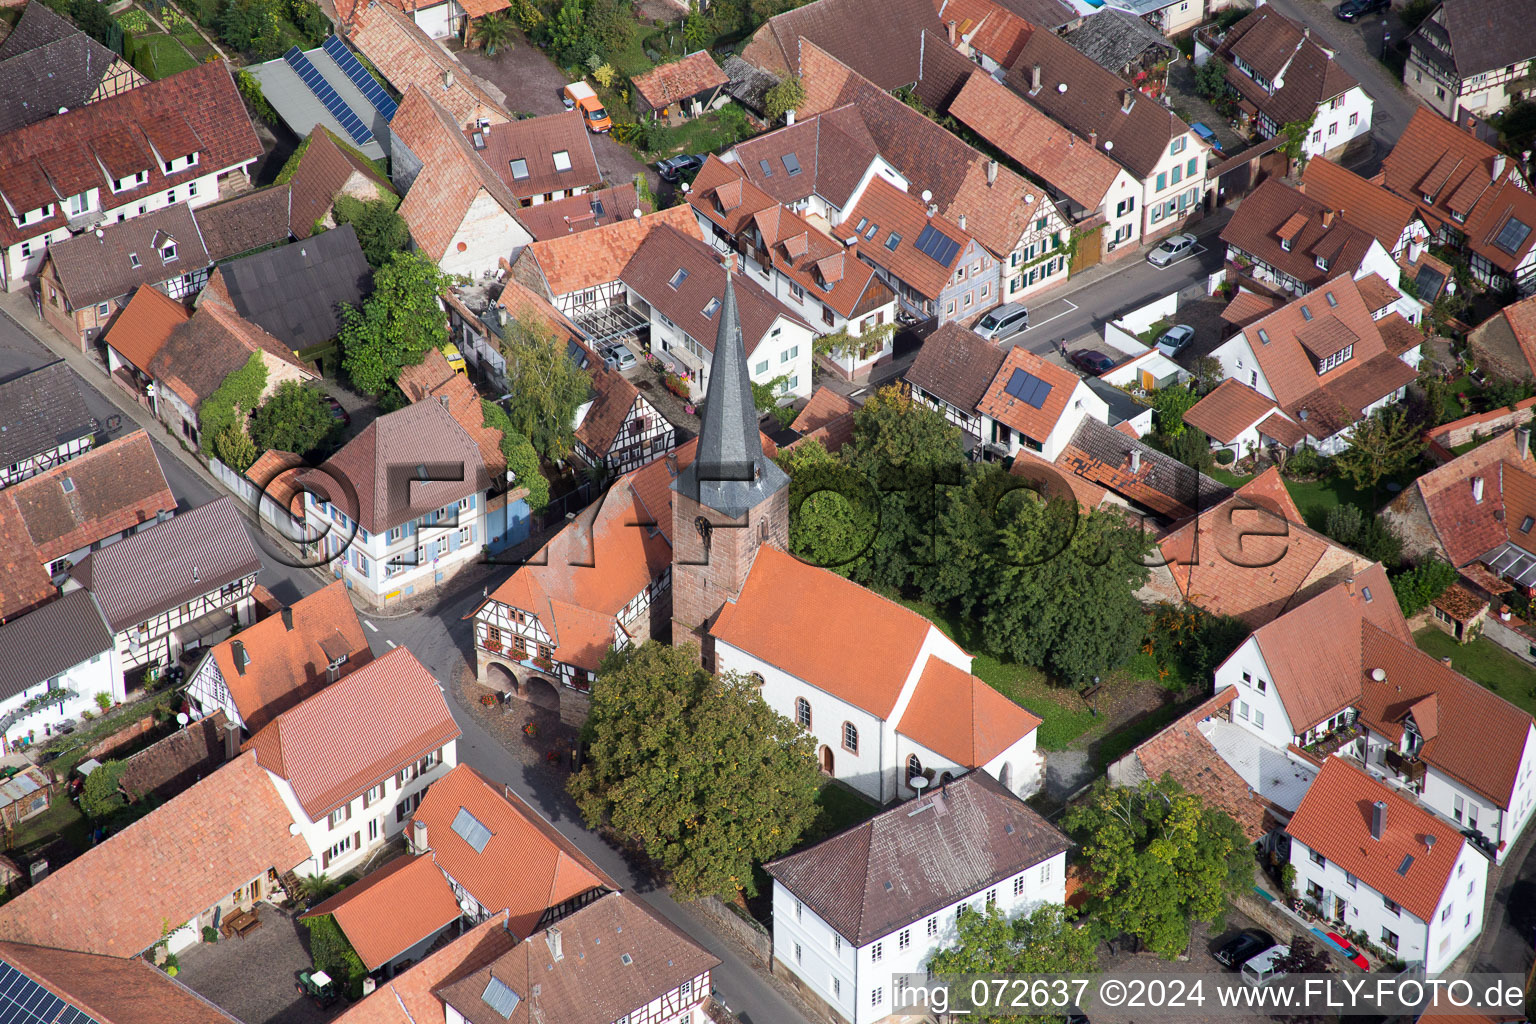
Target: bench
x,y
241,924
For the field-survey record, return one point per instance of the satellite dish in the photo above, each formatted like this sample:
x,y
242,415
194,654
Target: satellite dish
x,y
927,196
1062,88
638,214
1029,197
293,828
1108,145
1379,674
182,719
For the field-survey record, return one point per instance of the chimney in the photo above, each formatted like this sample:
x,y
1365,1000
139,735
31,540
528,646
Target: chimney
x,y
242,659
195,577
1034,79
949,27
1093,138
1127,101
231,741
287,614
448,79
1135,460
1477,489
1327,218
419,836
1378,818
552,936
1471,124
789,117
991,173
1523,442
1349,585
1498,167
962,222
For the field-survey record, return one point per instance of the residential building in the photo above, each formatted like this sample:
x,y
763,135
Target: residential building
x,y
1034,404
327,170
473,828
952,373
1122,43
828,417
64,985
1380,864
1136,476
413,509
1325,359
409,57
25,584
1391,220
1240,420
541,159
904,878
273,665
230,841
111,492
681,88
394,915
180,584
1471,197
881,49
86,279
295,292
245,222
53,663
1170,17
460,211
410,997
47,63
1472,57
679,285
443,19
582,212
1281,76
1505,343
186,137
43,421
351,762
987,33
617,429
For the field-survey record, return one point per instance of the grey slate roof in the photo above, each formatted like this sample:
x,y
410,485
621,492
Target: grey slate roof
x,y
730,473
96,268
50,640
1113,39
40,410
47,63
292,291
169,564
904,863
748,85
1481,35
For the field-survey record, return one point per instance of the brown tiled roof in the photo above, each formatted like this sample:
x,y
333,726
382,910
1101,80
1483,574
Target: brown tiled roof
x,y
145,324
170,765
419,379
992,29
24,583
883,49
899,867
1279,50
1469,529
1497,207
722,193
1100,453
206,348
94,268
1052,153
410,997
825,407
198,110
282,665
433,379
324,170
613,399
337,744
668,83
596,257
1275,210
1335,820
410,59
1376,292
550,870
1246,307
1282,429
1442,160
1229,410
617,958
221,834
1036,422
50,640
112,487
1362,203
898,213
112,990
958,716
833,153
392,909
1046,479
1460,603
535,141
581,213
246,222
1481,35
956,365
1473,735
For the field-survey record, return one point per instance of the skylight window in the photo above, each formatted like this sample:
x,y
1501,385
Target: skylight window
x,y
519,169
791,164
678,278
1526,524
1367,592
863,223
469,829
563,160
1306,314
133,260
1512,236
892,242
711,308
1263,336
1332,302
69,488
870,233
597,208
767,170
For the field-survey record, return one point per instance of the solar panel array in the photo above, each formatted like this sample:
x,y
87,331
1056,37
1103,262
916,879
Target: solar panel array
x,y
353,68
24,1001
1512,236
499,996
1028,388
936,245
471,830
311,76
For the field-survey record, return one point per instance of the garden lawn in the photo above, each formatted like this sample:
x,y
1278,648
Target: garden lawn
x,y
1485,662
702,134
1314,498
159,55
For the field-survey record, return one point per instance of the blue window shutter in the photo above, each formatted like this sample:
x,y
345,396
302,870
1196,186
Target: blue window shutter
x,y
453,542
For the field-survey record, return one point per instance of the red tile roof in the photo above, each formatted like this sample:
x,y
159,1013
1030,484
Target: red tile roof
x,y
337,744
1035,422
201,351
325,168
535,141
828,416
682,79
581,213
894,213
24,583
1335,820
112,990
145,325
550,870
1276,211
807,637
1377,293
410,997
1229,410
1469,529
989,29
1506,202
1360,202
883,49
597,257
1246,307
954,714
410,59
221,834
392,909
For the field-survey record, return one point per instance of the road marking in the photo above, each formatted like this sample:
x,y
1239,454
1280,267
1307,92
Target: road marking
x,y
370,625
1196,251
391,643
1072,308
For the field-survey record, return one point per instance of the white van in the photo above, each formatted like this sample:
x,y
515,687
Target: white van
x,y
1261,969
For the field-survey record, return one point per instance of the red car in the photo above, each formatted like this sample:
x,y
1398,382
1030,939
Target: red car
x,y
1091,361
1351,954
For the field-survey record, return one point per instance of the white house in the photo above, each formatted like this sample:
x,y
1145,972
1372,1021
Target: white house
x,y
880,721
1032,403
907,874
53,663
1376,862
351,762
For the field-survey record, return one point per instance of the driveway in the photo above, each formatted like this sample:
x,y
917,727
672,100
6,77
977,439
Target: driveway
x,y
1199,962
256,978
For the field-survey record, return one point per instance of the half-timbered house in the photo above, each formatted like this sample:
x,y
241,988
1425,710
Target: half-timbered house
x,y
43,422
951,374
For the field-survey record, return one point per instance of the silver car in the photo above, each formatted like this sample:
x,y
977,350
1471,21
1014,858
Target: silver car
x,y
1175,339
1173,248
1006,319
619,357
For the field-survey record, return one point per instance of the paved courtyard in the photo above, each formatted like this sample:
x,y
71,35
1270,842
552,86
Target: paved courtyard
x,y
256,978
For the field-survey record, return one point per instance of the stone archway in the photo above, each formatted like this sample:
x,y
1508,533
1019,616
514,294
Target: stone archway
x,y
500,678
541,693
824,759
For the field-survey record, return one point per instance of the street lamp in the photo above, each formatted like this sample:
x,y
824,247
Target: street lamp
x,y
1385,35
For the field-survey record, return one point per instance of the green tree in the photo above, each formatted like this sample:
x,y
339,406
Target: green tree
x,y
1295,133
788,95
546,386
251,26
1170,404
1211,78
1382,444
100,797
333,954
1343,522
398,324
381,231
1416,588
494,31
235,397
1044,942
1499,393
833,511
1157,859
1208,374
696,30
522,460
696,768
568,33
295,418
234,447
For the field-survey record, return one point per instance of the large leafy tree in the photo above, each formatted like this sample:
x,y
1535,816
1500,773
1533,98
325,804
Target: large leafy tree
x,y
1384,443
494,31
695,768
522,460
100,796
1044,942
398,324
1157,859
294,419
546,386
833,510
381,231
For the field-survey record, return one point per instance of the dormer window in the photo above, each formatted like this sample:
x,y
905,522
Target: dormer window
x,y
1337,359
168,252
80,204
563,160
1322,263
42,213
519,169
180,163
1428,198
1458,217
131,181
133,260
1285,243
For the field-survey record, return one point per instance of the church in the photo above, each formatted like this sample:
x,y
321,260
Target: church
x,y
887,696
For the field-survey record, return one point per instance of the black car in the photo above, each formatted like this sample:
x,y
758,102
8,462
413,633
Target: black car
x,y
1244,947
674,167
1349,10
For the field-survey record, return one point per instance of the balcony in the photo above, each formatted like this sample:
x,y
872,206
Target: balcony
x,y
35,705
1409,769
1334,741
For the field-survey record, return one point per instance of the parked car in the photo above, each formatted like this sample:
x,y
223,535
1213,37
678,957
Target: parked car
x,y
1244,947
455,358
1351,954
619,358
1175,339
1091,361
1006,319
1173,248
337,412
1207,136
1261,969
674,167
1349,10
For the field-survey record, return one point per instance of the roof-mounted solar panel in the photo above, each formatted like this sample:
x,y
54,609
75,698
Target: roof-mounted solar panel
x,y
353,68
311,77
